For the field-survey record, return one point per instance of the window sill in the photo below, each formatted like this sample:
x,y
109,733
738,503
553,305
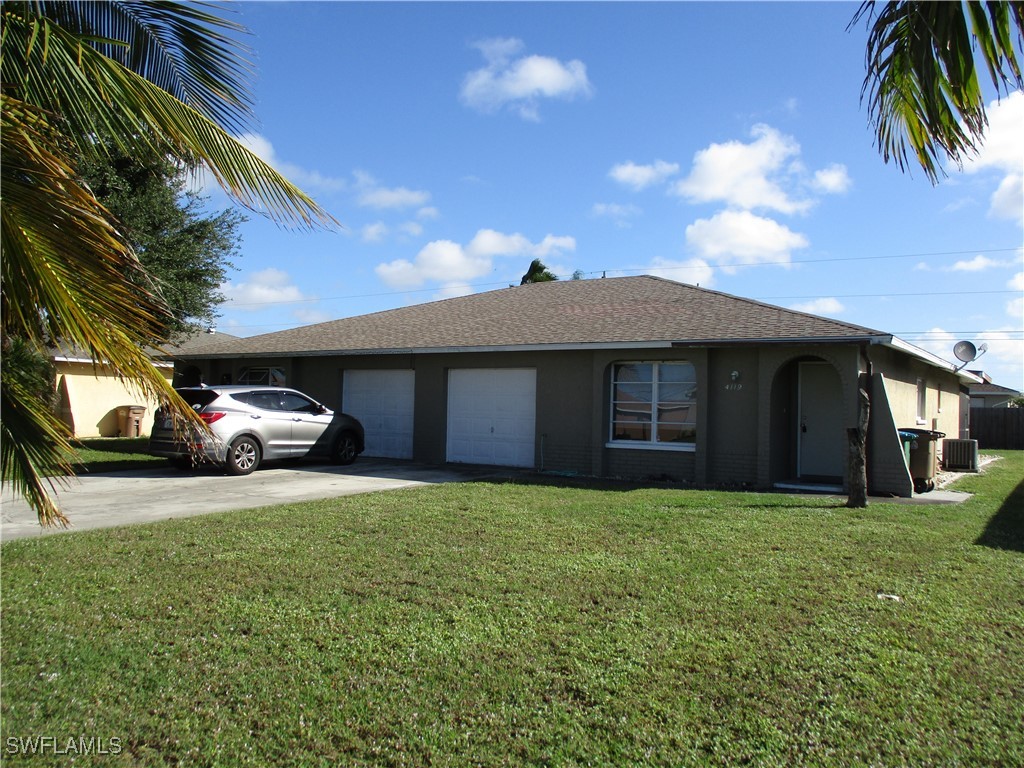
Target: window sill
x,y
639,446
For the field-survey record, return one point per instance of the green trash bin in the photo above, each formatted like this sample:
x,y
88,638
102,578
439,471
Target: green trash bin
x,y
906,438
922,461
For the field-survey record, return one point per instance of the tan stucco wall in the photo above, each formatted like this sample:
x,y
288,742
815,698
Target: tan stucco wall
x,y
942,393
90,397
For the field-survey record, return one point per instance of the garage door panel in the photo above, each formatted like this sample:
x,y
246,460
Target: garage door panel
x,y
492,416
383,401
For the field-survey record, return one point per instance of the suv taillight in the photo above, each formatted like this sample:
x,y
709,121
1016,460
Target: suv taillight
x,y
210,418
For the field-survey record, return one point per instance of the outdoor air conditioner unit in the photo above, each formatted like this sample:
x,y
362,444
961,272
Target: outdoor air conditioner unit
x,y
960,454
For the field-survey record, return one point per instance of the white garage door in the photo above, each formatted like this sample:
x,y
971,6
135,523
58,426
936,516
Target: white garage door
x,y
383,403
492,416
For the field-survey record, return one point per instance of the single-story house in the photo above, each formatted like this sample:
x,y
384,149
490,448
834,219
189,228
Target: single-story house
x,y
633,377
986,394
94,401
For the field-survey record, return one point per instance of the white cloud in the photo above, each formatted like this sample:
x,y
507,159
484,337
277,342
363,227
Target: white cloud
x,y
958,205
268,286
1003,359
311,181
1003,145
454,290
1003,151
731,236
1015,307
639,177
619,214
413,228
454,265
692,271
374,233
373,195
428,213
311,316
978,264
937,341
746,176
1005,352
832,180
519,83
823,306
1007,202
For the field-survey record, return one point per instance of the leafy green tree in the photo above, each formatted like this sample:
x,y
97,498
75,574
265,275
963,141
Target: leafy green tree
x,y
922,86
159,79
185,251
538,273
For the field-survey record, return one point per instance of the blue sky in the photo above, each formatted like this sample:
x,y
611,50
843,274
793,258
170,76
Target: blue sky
x,y
722,144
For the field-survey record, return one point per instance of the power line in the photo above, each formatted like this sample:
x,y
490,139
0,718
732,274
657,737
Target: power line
x,y
644,270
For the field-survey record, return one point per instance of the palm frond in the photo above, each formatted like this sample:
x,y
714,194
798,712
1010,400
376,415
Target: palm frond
x,y
195,56
64,277
161,78
33,446
922,86
61,73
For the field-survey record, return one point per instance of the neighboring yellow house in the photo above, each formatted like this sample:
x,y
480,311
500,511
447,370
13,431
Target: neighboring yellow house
x,y
96,402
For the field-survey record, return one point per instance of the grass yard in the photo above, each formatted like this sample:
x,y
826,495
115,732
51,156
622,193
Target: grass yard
x,y
511,624
105,454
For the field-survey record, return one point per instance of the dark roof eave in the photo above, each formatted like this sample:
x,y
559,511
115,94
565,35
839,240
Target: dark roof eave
x,y
800,340
541,347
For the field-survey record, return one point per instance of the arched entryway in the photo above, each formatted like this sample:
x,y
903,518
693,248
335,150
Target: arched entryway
x,y
808,440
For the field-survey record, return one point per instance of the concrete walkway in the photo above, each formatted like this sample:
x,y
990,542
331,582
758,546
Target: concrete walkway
x,y
143,496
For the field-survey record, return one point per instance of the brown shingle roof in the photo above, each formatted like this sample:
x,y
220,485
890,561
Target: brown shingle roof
x,y
988,388
626,310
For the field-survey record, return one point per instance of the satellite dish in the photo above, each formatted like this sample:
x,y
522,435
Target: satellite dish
x,y
965,351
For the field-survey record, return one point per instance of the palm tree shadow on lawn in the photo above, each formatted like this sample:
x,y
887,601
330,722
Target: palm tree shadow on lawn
x,y
1005,530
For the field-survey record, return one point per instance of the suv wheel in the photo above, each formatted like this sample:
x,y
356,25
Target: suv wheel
x,y
345,449
243,456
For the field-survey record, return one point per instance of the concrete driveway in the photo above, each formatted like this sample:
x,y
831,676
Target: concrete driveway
x,y
142,496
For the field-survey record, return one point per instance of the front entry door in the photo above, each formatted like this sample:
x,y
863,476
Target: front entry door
x,y
820,431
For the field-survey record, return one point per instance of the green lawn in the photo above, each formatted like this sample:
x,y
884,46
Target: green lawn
x,y
512,624
105,454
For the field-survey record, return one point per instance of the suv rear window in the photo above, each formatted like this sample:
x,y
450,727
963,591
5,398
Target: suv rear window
x,y
198,398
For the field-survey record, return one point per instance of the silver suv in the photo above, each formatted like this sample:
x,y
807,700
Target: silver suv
x,y
251,424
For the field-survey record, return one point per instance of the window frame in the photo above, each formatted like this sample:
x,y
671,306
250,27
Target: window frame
x,y
922,401
272,376
651,444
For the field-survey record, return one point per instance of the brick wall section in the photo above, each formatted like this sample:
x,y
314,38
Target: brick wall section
x,y
671,466
733,469
554,455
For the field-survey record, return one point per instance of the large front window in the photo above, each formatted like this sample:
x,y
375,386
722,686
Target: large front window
x,y
654,403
